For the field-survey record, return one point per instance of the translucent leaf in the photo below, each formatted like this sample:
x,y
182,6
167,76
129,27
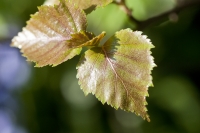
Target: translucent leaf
x,y
88,5
51,2
94,42
119,72
85,4
46,38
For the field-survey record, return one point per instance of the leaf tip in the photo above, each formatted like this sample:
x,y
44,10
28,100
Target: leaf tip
x,y
148,119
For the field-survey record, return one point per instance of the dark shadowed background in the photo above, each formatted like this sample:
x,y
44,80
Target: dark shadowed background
x,y
49,99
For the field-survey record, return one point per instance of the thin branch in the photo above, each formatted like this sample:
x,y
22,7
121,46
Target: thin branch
x,y
143,24
127,10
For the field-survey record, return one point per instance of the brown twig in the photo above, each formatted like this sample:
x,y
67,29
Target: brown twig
x,y
143,24
127,10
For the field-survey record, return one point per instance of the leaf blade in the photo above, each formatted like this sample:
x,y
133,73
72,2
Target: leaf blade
x,y
118,73
83,4
44,39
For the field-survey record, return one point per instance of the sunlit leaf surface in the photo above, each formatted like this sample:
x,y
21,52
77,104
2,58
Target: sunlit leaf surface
x,y
51,2
83,4
119,72
45,39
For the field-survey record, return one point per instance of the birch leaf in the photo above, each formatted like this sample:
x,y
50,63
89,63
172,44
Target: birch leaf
x,y
94,41
45,39
51,2
119,72
87,5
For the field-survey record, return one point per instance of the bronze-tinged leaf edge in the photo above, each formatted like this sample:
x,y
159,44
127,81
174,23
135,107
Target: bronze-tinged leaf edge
x,y
37,37
86,64
88,6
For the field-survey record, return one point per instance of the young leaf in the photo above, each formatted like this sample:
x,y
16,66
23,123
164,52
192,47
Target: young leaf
x,y
91,43
51,2
83,4
119,71
46,38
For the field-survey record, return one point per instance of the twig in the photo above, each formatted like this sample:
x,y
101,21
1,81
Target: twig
x,y
143,24
127,10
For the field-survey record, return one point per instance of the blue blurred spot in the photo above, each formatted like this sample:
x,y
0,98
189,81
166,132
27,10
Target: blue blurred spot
x,y
14,73
14,70
7,125
5,122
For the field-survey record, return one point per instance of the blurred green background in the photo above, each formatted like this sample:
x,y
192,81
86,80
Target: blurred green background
x,y
49,100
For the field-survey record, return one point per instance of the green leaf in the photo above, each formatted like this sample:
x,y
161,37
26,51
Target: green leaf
x,y
46,38
87,5
119,72
94,42
51,2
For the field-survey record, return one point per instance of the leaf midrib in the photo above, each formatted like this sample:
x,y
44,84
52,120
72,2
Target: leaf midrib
x,y
116,74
